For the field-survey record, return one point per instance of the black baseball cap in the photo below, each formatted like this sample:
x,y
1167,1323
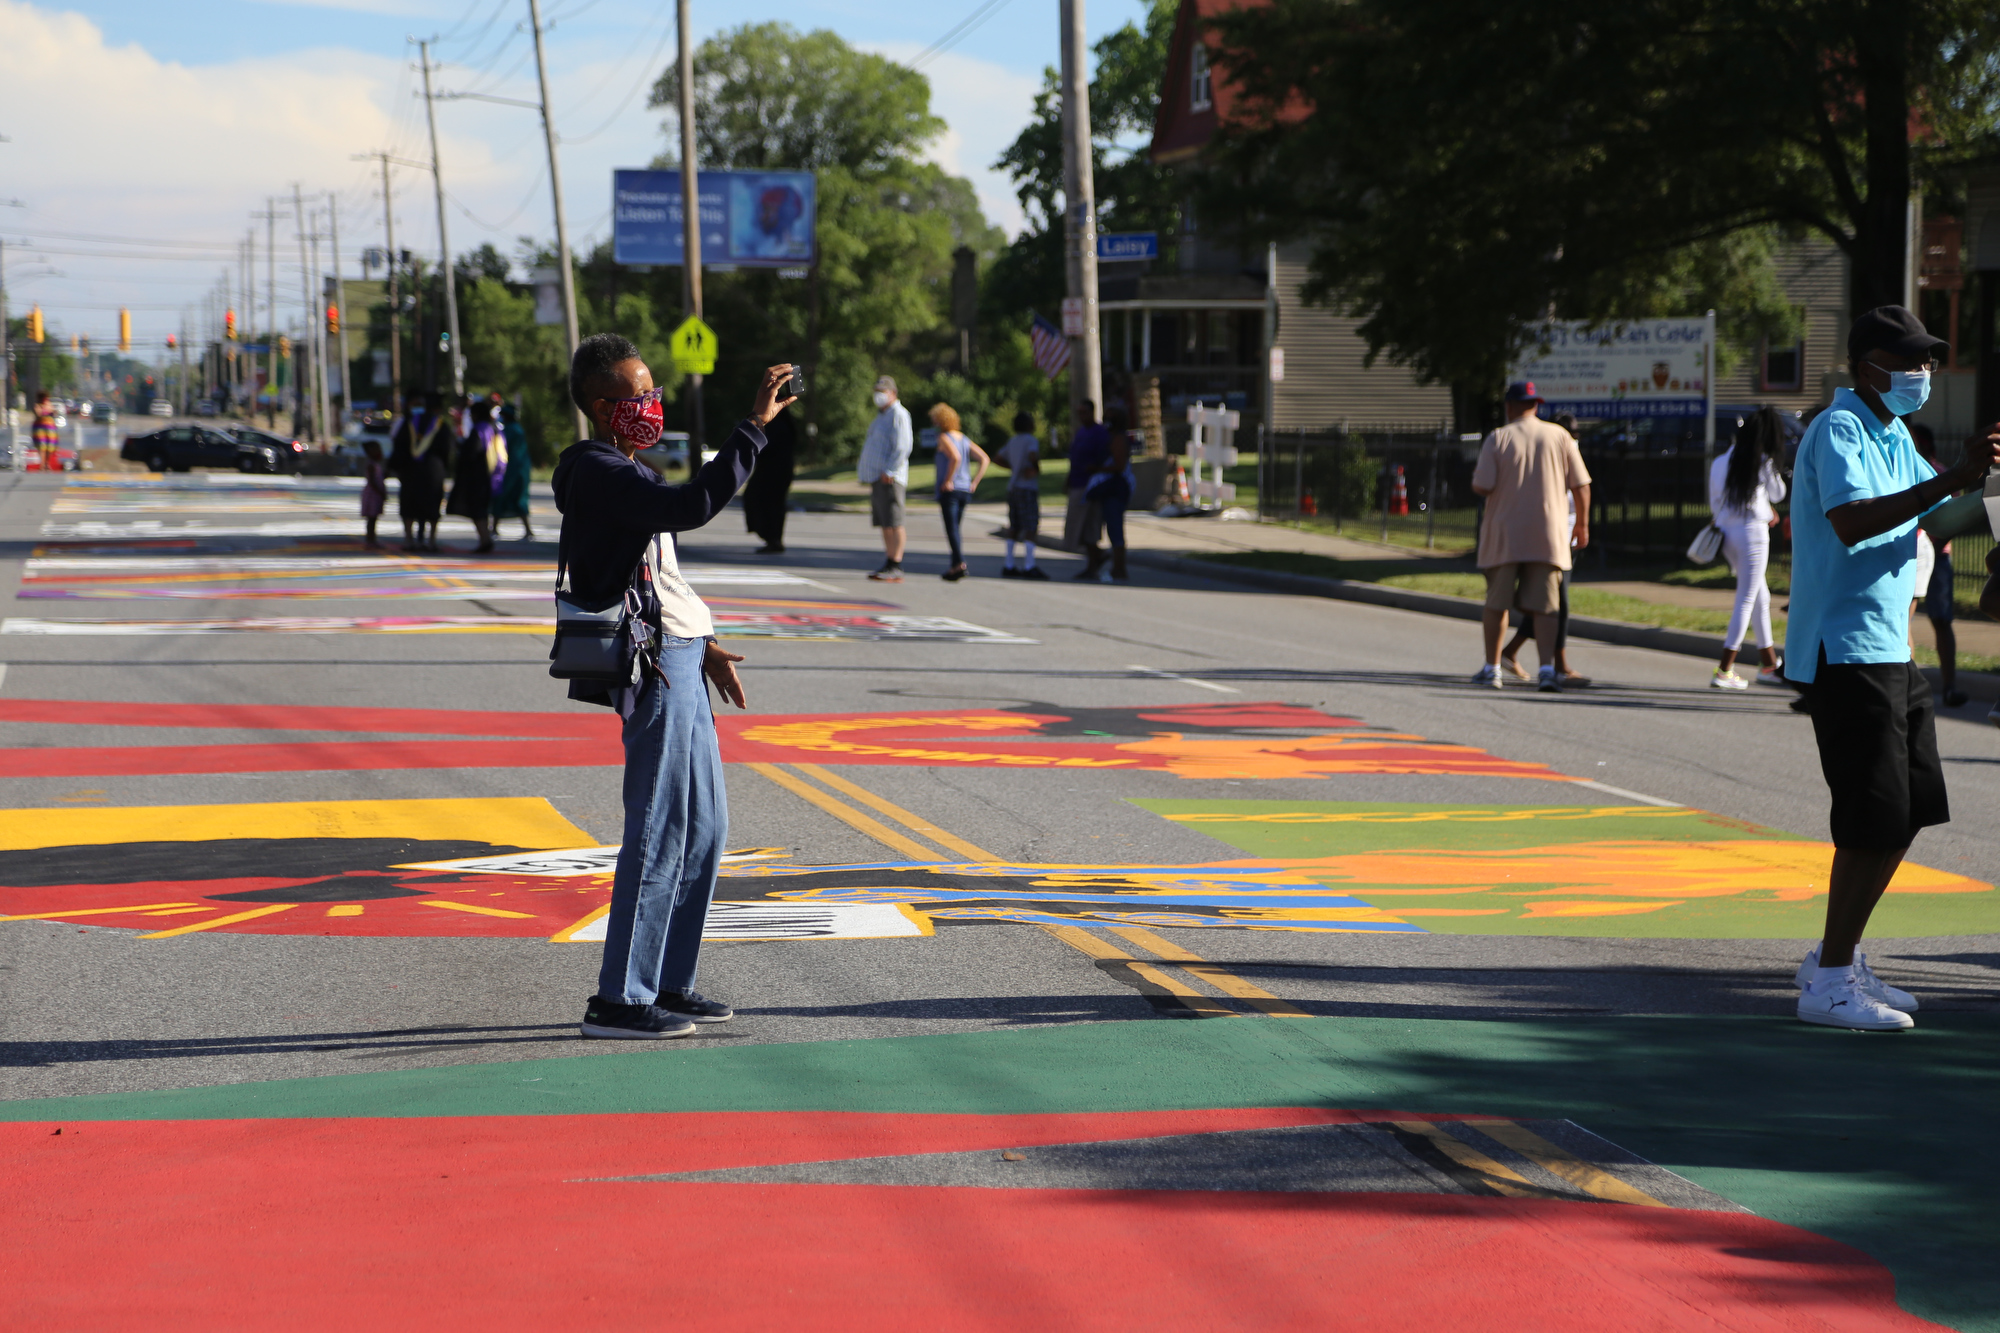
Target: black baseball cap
x,y
1890,328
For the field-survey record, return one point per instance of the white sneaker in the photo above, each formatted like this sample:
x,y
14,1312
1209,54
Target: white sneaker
x,y
1486,675
1839,1002
1777,678
1864,977
1727,680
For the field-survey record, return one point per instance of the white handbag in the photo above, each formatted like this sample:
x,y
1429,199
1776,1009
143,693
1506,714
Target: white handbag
x,y
1707,545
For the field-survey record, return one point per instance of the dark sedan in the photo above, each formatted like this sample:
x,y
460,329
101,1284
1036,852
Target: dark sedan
x,y
179,448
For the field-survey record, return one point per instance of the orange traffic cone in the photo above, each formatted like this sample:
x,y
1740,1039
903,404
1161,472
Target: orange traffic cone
x,y
1399,498
1182,495
1307,505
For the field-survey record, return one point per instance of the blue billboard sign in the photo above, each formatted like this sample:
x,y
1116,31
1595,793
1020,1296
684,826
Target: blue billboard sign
x,y
1128,245
749,219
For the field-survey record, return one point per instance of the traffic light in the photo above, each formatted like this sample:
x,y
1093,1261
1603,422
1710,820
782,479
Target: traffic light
x,y
124,330
444,340
333,320
83,344
229,325
74,348
172,342
35,324
284,345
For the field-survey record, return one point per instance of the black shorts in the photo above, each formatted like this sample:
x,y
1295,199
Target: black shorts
x,y
1877,733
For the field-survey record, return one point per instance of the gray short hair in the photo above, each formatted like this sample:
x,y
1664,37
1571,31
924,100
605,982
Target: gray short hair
x,y
886,382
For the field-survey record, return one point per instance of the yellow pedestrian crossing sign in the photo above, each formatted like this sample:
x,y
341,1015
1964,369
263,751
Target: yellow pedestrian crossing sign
x,y
693,347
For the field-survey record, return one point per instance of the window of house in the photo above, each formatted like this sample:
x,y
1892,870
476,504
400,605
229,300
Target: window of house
x,y
1782,369
1200,87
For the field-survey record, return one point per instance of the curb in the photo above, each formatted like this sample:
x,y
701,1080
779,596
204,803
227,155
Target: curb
x,y
1980,685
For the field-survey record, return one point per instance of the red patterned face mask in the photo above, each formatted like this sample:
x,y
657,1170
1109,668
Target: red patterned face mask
x,y
642,419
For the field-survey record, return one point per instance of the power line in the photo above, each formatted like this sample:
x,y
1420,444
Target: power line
x,y
951,39
122,240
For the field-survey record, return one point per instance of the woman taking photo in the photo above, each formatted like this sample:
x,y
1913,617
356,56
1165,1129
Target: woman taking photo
x,y
1743,484
956,480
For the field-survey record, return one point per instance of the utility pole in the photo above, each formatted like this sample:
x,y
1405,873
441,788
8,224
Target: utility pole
x,y
395,296
1086,370
340,304
302,385
564,273
690,220
318,316
270,216
444,243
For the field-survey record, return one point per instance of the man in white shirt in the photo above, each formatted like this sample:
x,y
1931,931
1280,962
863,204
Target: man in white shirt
x,y
885,469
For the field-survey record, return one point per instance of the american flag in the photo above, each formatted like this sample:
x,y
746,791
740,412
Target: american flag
x,y
1051,348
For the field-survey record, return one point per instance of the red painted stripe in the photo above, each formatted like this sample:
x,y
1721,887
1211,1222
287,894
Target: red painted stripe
x,y
499,1224
285,717
334,756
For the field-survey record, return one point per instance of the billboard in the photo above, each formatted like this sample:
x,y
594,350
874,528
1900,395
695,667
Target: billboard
x,y
749,219
1636,368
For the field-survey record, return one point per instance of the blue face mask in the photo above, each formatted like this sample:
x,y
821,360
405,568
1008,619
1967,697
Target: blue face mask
x,y
1908,391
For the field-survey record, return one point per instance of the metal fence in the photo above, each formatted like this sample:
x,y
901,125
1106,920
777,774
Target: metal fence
x,y
1413,487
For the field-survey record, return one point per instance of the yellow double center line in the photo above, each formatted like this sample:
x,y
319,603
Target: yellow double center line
x,y
1143,975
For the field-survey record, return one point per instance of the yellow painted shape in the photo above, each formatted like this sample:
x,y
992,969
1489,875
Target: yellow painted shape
x,y
567,935
100,911
1586,1176
479,911
1549,814
1226,982
1308,757
1505,1179
345,909
1544,910
1091,943
1770,870
230,920
845,813
517,821
922,920
917,824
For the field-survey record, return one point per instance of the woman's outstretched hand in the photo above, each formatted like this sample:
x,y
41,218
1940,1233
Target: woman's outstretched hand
x,y
768,402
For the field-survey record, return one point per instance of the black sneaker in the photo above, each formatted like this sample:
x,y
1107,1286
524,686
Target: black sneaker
x,y
1009,572
1035,572
631,1022
694,1007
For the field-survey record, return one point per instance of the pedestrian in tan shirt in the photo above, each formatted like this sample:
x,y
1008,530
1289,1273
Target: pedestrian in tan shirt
x,y
1526,536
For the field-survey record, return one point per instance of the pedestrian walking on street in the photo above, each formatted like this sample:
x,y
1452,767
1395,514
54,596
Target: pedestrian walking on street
x,y
1528,531
374,489
1083,520
957,479
1743,484
1935,593
1110,489
512,499
769,495
885,470
1021,456
615,513
1524,624
1858,488
482,467
421,457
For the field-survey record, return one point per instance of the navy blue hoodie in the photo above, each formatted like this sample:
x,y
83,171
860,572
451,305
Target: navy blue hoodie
x,y
613,506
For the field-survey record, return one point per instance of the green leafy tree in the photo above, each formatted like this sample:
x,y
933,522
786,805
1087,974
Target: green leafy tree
x,y
1464,169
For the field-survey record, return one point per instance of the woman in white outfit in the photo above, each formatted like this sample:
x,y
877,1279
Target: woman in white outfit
x,y
1743,484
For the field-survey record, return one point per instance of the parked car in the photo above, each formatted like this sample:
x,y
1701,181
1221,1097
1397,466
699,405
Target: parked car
x,y
179,448
671,452
160,407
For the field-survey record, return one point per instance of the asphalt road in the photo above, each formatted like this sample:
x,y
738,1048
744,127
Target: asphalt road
x,y
87,1005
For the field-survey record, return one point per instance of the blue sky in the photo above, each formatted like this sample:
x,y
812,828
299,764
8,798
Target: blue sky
x,y
197,114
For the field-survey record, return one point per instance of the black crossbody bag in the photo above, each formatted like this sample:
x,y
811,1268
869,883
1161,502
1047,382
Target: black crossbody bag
x,y
595,643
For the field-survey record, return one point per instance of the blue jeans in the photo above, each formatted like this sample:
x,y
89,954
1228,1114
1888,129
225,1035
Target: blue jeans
x,y
676,818
952,505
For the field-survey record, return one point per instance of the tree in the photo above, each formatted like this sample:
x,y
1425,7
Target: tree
x,y
768,97
1463,170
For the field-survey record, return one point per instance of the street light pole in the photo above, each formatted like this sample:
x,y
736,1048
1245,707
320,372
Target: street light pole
x,y
690,219
563,270
340,304
456,358
1086,377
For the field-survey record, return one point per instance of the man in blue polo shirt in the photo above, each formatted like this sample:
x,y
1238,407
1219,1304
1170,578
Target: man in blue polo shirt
x,y
1858,489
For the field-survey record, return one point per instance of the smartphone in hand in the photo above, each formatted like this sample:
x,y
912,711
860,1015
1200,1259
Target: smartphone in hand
x,y
795,387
